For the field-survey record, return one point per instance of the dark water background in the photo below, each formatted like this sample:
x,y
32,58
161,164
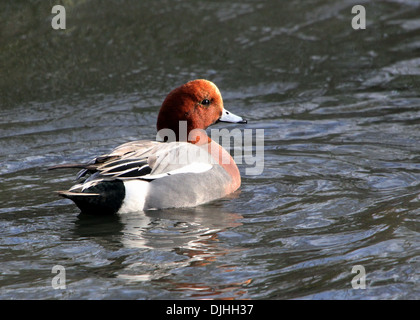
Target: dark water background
x,y
340,109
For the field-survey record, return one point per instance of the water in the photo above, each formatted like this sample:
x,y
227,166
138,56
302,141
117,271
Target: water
x,y
340,110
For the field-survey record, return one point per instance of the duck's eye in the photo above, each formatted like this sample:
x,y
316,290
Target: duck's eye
x,y
205,102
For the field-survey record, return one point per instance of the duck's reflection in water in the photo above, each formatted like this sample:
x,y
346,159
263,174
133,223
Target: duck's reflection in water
x,y
182,251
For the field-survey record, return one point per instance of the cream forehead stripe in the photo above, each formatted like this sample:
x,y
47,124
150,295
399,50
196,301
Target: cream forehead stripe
x,y
212,84
215,88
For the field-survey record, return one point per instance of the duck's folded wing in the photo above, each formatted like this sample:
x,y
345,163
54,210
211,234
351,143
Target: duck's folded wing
x,y
158,161
138,150
145,160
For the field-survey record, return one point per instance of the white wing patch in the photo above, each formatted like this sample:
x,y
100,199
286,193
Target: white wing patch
x,y
195,167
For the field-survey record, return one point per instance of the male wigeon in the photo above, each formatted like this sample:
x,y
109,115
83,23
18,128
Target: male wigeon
x,y
142,175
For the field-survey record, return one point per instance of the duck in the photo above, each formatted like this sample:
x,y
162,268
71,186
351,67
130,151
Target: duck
x,y
183,167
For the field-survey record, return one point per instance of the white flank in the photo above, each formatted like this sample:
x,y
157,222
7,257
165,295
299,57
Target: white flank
x,y
195,167
135,195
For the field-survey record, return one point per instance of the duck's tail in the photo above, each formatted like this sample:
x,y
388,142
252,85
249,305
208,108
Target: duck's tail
x,y
101,199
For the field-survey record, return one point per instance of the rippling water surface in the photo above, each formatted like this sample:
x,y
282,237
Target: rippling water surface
x,y
340,109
